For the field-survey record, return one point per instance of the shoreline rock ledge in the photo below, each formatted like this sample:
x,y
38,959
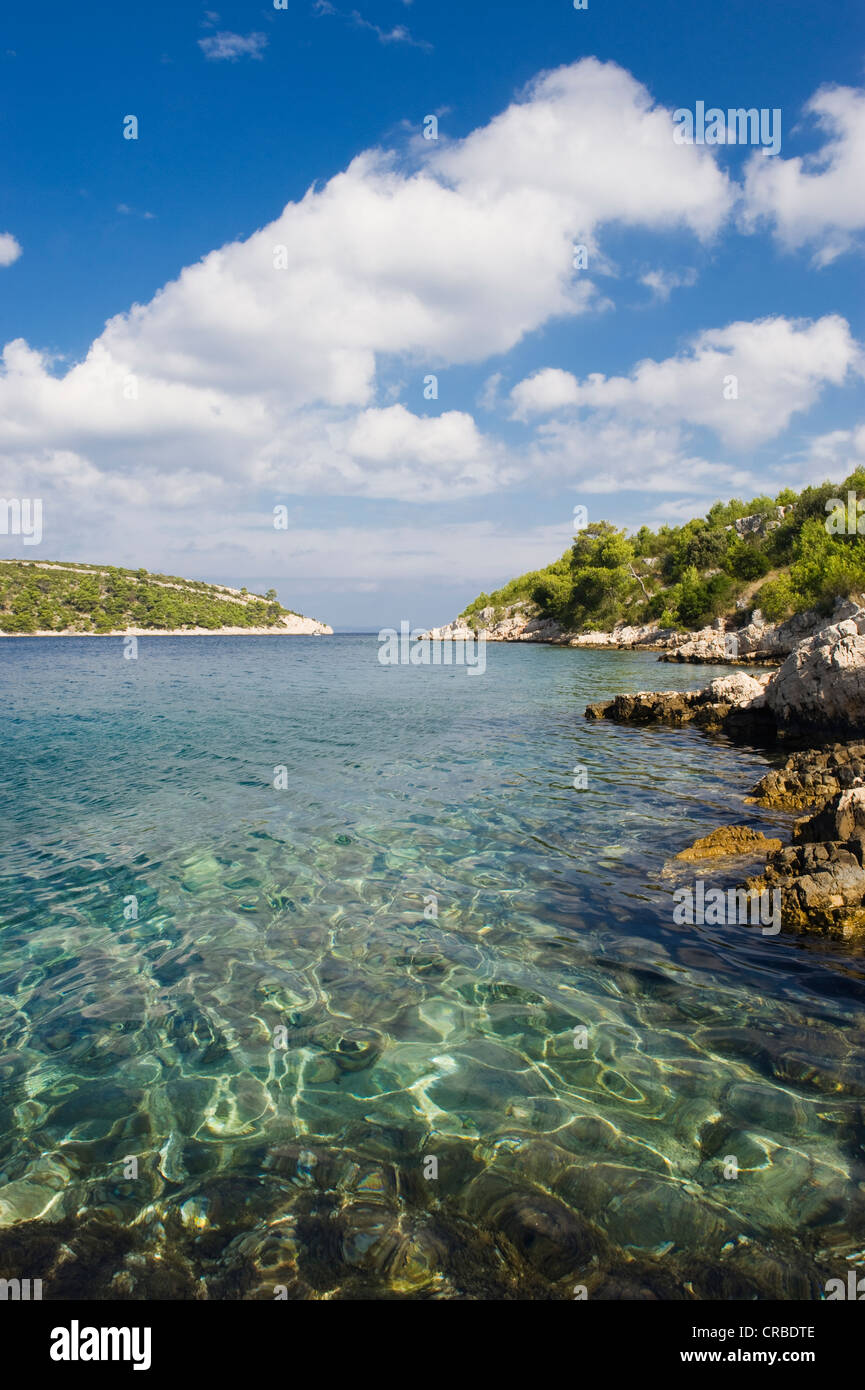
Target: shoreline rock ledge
x,y
818,692
816,697
758,643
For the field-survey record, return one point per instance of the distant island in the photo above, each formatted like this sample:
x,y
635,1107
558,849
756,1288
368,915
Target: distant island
x,y
67,599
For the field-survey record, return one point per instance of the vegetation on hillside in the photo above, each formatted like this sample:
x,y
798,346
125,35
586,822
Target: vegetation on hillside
x,y
53,597
684,576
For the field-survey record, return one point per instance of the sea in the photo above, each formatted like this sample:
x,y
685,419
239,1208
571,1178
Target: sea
x,y
323,978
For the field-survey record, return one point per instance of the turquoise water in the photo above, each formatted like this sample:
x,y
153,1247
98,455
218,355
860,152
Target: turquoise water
x,y
331,1024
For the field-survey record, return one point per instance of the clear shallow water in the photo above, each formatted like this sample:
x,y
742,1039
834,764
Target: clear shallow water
x,y
302,1158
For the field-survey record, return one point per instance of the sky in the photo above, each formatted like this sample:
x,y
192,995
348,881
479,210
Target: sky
x,y
423,276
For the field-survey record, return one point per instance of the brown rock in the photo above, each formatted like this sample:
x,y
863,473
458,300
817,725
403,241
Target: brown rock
x,y
820,876
730,840
822,888
735,700
841,819
809,778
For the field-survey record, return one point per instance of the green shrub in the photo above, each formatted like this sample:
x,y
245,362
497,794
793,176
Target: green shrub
x,y
778,599
747,560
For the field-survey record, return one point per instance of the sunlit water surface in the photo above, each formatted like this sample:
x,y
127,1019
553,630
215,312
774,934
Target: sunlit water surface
x,y
332,1023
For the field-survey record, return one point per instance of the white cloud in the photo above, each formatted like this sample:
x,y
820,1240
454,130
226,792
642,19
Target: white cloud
x,y
252,372
240,379
818,199
663,282
547,390
228,46
780,367
398,34
489,394
387,452
387,435
10,250
613,455
127,211
455,552
589,140
826,457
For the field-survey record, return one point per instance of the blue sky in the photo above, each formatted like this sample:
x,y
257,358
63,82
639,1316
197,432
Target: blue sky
x,y
168,439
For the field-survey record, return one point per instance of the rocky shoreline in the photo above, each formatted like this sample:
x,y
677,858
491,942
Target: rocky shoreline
x,y
757,643
815,700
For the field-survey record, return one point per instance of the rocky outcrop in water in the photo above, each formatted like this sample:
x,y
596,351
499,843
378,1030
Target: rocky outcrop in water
x,y
821,875
807,779
718,707
818,692
520,622
757,643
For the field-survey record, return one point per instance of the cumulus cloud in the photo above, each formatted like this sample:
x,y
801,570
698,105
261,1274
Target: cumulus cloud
x,y
264,368
590,141
10,250
226,46
261,361
816,199
744,382
547,390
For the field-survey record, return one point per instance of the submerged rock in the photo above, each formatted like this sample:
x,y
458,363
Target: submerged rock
x,y
24,1201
